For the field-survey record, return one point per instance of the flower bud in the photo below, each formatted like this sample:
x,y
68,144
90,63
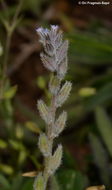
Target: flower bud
x,y
59,124
55,160
44,145
48,62
64,93
54,29
44,111
49,49
54,85
39,182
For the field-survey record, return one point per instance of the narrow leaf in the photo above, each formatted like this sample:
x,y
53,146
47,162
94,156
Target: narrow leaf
x,y
105,127
55,160
64,93
44,145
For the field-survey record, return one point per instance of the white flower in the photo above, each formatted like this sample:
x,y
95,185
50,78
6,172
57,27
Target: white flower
x,y
54,27
42,32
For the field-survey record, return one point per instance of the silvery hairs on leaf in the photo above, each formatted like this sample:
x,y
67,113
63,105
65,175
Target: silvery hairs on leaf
x,y
63,93
55,160
44,111
60,124
54,57
44,145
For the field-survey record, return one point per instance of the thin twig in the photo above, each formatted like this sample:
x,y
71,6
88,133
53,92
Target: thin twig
x,y
53,112
17,12
9,31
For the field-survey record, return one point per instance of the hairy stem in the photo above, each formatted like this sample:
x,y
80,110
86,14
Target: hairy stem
x,y
49,130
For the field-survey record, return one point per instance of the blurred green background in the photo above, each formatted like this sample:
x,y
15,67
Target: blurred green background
x,y
87,139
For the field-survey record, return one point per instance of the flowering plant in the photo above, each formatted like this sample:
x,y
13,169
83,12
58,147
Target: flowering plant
x,y
54,58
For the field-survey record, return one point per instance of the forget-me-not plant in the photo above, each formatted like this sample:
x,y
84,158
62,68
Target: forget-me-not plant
x,y
54,58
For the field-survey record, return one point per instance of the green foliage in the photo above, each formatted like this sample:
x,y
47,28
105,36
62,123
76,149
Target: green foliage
x,y
103,96
54,183
85,92
90,48
16,184
34,6
105,127
100,158
6,169
10,92
3,144
32,126
41,83
4,183
76,180
28,185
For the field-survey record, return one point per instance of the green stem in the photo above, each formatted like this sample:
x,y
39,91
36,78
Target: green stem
x,y
10,31
53,112
7,48
17,12
5,63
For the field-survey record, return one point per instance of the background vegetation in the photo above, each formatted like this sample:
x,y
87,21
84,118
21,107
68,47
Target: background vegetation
x,y
87,139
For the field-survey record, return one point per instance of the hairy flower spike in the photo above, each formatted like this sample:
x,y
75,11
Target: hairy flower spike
x,y
64,93
44,145
39,182
55,49
55,160
54,58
